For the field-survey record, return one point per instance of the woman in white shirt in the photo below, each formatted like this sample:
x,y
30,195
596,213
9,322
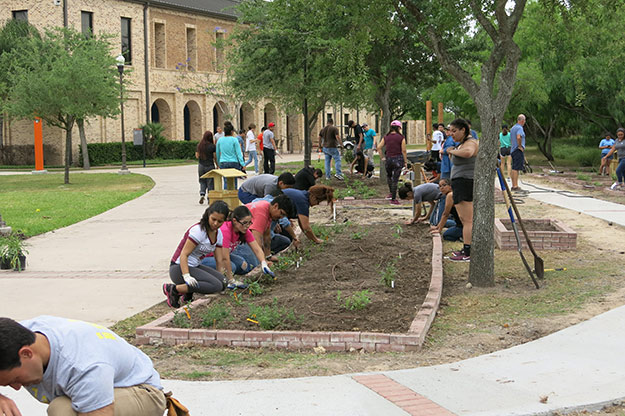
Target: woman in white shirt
x,y
250,147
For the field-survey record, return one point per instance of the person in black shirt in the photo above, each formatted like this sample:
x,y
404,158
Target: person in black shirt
x,y
306,178
358,133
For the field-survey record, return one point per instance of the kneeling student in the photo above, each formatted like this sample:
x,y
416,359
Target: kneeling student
x,y
426,192
360,161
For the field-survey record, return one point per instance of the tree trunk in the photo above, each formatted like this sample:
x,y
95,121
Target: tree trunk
x,y
384,100
83,143
68,146
482,269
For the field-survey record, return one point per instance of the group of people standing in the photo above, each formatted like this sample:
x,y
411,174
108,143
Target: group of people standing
x,y
225,150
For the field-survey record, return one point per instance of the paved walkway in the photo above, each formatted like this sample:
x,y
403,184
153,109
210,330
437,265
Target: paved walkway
x,y
580,366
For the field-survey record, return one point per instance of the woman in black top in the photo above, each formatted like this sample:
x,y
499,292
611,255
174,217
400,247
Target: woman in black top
x,y
205,153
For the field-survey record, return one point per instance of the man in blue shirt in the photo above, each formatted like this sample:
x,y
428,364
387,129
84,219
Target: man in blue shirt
x,y
369,143
517,150
605,146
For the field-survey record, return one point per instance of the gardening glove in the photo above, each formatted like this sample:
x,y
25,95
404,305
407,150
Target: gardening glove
x,y
190,280
267,270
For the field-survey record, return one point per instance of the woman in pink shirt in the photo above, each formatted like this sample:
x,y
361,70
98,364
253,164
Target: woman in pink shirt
x,y
396,158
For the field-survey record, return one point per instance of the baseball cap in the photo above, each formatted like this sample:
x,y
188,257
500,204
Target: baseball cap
x,y
271,125
396,123
364,124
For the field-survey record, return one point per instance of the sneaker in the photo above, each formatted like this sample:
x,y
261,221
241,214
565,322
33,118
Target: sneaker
x,y
201,199
173,297
236,284
455,253
615,186
187,297
389,197
460,258
339,177
395,202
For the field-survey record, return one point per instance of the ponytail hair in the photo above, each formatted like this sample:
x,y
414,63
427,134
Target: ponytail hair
x,y
460,123
220,207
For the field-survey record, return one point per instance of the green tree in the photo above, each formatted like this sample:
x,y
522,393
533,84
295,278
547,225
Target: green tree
x,y
448,28
69,77
301,53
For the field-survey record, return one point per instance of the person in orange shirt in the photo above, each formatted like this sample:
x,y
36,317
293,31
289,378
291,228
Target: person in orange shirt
x,y
260,147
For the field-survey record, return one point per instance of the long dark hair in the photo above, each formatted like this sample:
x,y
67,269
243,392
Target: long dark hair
x,y
220,207
203,145
460,123
238,214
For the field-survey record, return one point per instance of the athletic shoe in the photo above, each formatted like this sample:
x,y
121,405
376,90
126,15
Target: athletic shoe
x,y
339,177
173,297
615,186
456,253
395,202
236,284
460,258
201,199
389,197
187,297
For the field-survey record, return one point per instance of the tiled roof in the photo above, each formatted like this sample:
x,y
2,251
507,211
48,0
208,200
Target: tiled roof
x,y
225,8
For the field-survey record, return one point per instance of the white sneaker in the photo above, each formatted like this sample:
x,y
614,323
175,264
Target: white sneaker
x,y
615,185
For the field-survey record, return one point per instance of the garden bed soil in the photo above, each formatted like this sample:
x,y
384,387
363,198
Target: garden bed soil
x,y
532,225
352,260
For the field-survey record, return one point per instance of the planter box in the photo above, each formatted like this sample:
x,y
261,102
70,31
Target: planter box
x,y
555,235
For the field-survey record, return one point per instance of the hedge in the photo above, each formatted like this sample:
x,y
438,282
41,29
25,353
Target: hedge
x,y
111,153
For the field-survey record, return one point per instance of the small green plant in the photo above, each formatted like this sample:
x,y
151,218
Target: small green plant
x,y
357,301
583,177
254,288
235,297
389,274
271,316
348,155
181,320
12,248
397,230
358,235
216,315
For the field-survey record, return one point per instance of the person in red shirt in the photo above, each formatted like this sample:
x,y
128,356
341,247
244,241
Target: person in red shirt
x,y
396,158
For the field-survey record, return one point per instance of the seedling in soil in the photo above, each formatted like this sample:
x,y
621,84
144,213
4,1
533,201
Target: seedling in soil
x,y
358,235
235,297
215,316
271,316
254,288
389,274
357,301
397,230
181,320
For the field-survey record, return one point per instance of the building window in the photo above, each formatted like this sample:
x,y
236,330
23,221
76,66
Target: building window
x,y
191,49
159,46
86,23
126,40
20,15
328,117
219,51
346,127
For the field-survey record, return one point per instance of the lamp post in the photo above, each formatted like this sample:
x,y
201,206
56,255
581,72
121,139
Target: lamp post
x,y
120,67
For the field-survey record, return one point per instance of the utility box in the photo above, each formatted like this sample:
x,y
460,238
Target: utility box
x,y
229,193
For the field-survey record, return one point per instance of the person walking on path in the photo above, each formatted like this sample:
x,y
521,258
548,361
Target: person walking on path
x,y
330,141
369,144
619,147
605,146
517,151
77,368
463,157
262,185
269,149
396,158
446,164
250,147
219,134
504,148
207,160
228,150
438,137
186,271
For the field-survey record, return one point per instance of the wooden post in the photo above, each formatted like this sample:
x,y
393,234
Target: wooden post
x,y
38,128
441,112
428,124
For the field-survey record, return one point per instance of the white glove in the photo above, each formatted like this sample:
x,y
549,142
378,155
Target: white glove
x,y
190,280
267,270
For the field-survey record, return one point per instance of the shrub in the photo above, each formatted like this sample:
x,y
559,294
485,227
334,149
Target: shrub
x,y
111,153
215,316
271,316
181,320
357,301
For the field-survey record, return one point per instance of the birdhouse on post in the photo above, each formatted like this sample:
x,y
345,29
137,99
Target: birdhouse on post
x,y
225,181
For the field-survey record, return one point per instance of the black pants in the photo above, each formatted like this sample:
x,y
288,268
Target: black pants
x,y
269,160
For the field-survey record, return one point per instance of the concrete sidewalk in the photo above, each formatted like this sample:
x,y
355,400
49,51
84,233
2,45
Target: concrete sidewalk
x,y
110,266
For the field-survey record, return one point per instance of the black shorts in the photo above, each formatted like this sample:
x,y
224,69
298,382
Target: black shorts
x,y
462,189
504,151
518,160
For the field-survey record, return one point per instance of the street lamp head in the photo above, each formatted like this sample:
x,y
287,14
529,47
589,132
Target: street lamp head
x,y
120,62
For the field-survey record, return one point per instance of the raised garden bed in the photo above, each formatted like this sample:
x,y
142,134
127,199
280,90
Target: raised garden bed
x,y
336,298
545,234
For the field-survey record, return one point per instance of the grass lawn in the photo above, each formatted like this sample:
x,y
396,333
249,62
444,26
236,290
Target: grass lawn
x,y
36,204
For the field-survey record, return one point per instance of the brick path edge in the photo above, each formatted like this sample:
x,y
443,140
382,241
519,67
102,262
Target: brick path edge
x,y
155,333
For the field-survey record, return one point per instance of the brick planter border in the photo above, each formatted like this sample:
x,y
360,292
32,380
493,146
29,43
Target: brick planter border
x,y
156,333
563,239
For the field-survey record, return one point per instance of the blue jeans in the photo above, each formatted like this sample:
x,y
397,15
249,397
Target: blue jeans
x,y
253,155
620,171
228,165
452,234
332,153
241,261
246,197
437,214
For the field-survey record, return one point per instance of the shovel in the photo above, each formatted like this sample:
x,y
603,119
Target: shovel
x,y
508,197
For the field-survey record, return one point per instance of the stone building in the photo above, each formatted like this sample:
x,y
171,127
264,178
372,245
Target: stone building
x,y
169,46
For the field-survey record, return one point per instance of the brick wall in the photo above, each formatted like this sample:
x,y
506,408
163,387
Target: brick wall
x,y
565,238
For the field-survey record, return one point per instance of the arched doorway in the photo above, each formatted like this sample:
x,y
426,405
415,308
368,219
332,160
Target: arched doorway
x,y
219,113
294,142
161,113
192,121
246,115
